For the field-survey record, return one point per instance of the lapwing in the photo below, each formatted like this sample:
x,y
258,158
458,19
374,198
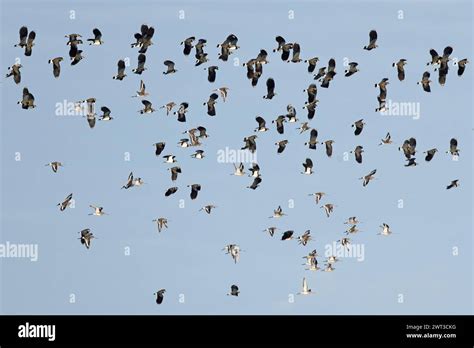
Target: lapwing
x,y
387,139
430,154
317,196
142,92
161,223
308,167
304,127
97,40
312,91
188,45
277,213
105,114
454,183
261,124
372,41
208,208
64,204
169,106
312,63
195,188
287,235
211,73
211,109
159,147
170,159
368,177
170,191
121,72
453,147
270,89
345,242
254,170
98,211
174,172
281,145
56,65
86,237
256,182
54,166
358,153
304,238
147,107
199,154
141,64
461,66
234,291
160,295
359,126
328,209
250,143
425,81
14,71
313,139
270,230
28,100
351,70
129,182
239,170
329,149
305,290
170,67
183,109
385,230
224,91
400,68
279,124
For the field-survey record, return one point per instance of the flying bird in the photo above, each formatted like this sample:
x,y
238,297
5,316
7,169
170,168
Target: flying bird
x,y
270,89
308,167
141,64
14,71
195,188
160,294
287,235
97,40
425,82
234,291
28,100
86,237
372,41
170,67
54,166
359,126
66,203
121,72
56,66
161,223
454,183
368,177
352,69
400,68
305,290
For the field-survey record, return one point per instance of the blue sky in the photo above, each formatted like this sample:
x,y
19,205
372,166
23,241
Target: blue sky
x,y
186,259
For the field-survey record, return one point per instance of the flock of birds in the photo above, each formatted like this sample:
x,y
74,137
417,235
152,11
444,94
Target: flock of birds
x,y
289,52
